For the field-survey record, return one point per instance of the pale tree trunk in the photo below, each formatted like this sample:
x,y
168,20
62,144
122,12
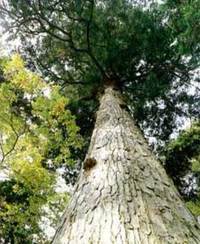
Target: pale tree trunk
x,y
123,194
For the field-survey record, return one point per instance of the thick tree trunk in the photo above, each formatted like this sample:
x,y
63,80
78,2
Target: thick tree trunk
x,y
123,194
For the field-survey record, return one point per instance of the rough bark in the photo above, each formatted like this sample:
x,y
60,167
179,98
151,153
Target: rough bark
x,y
123,194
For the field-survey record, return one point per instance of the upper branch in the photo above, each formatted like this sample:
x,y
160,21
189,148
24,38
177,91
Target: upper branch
x,y
41,19
89,47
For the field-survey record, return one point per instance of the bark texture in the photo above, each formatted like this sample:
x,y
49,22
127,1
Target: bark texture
x,y
123,194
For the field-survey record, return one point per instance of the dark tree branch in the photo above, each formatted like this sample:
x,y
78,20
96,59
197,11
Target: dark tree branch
x,y
17,136
54,30
90,53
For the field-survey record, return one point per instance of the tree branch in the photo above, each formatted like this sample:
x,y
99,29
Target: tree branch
x,y
90,53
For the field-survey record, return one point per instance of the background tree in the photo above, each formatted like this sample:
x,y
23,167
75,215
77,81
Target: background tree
x,y
37,135
182,155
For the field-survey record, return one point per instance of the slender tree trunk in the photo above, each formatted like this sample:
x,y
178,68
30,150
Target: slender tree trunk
x,y
123,194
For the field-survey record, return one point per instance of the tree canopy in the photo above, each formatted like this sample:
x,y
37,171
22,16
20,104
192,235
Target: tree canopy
x,y
151,53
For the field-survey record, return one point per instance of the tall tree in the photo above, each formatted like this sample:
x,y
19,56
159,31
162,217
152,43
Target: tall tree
x,y
141,52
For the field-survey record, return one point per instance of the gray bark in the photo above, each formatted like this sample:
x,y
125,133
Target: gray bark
x,y
124,194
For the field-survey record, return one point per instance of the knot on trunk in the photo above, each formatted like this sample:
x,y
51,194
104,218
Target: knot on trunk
x,y
89,164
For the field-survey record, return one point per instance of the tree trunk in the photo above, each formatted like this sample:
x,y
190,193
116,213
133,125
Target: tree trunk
x,y
123,194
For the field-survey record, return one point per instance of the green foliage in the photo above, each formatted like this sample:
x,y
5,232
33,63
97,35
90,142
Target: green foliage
x,y
37,133
194,207
182,158
184,22
182,154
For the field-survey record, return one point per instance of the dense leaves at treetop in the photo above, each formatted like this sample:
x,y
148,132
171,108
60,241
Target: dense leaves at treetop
x,y
150,52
